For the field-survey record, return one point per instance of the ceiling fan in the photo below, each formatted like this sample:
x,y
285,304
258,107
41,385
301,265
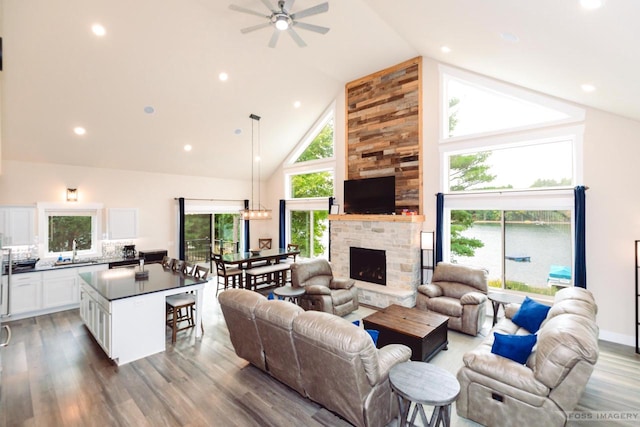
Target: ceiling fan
x,y
283,20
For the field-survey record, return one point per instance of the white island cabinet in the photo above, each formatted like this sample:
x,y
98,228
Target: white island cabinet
x,y
127,317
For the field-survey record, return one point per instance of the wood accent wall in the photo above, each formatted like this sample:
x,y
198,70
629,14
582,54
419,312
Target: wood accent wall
x,y
384,130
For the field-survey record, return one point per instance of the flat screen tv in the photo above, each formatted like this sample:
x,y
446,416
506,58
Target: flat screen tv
x,y
370,196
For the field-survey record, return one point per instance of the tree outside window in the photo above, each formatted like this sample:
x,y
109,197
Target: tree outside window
x,y
64,229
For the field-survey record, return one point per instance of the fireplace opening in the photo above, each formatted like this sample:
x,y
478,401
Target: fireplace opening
x,y
368,265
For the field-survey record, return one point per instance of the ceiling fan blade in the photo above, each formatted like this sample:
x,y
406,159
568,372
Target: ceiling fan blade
x,y
322,7
296,37
274,38
249,11
268,5
311,27
288,4
255,27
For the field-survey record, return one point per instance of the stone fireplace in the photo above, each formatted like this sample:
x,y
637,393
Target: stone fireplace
x,y
398,236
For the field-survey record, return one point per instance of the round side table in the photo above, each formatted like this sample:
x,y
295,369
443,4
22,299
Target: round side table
x,y
289,293
502,299
424,384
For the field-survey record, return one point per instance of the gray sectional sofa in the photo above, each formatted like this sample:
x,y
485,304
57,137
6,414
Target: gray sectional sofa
x,y
320,355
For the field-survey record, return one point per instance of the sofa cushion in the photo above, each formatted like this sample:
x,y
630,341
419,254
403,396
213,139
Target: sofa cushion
x,y
474,277
445,305
341,296
514,347
564,341
531,315
430,290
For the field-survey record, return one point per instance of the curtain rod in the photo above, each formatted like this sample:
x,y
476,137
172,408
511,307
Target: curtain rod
x,y
509,191
210,200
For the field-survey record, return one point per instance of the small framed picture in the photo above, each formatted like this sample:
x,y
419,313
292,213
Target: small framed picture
x,y
335,209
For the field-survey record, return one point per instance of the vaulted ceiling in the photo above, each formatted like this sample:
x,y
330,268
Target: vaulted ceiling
x,y
167,55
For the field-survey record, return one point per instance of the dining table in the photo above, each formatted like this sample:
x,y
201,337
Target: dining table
x,y
245,259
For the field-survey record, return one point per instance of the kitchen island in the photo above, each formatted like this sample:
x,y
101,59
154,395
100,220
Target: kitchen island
x,y
126,316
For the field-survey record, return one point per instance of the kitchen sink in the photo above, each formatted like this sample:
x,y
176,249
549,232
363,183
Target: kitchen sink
x,y
79,262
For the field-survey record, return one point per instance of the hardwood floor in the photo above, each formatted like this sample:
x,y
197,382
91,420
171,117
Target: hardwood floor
x,y
54,374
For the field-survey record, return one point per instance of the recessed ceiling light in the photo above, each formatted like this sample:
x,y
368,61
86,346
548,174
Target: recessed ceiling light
x,y
445,49
149,109
297,104
78,130
588,87
223,77
509,37
187,147
98,30
237,131
591,4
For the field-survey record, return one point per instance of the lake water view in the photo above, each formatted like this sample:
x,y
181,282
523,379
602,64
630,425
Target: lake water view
x,y
544,244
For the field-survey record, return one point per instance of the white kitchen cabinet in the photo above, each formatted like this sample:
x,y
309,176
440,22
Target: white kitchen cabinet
x,y
26,293
60,288
17,225
47,291
122,223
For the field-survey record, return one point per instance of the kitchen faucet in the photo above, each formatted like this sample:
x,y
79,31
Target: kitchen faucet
x,y
74,249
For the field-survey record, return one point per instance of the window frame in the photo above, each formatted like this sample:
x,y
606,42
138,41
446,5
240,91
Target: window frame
x,y
446,73
291,168
94,210
557,198
312,205
575,133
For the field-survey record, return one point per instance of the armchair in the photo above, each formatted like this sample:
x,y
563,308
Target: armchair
x,y
323,292
458,292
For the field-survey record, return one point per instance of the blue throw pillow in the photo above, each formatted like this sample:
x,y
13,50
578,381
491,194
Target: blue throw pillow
x,y
514,347
531,315
374,335
356,322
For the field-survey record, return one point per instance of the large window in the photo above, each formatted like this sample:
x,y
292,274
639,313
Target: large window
x,y
523,250
509,161
309,230
309,180
61,224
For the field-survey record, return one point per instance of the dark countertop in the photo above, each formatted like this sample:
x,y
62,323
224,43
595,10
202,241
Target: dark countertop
x,y
50,265
121,283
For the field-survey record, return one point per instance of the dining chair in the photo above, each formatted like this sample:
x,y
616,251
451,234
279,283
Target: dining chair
x,y
264,244
188,268
167,262
177,266
290,259
200,272
290,248
226,275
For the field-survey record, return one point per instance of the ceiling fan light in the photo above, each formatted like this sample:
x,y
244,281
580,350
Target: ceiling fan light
x,y
282,22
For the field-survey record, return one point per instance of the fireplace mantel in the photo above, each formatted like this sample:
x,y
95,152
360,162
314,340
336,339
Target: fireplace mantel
x,y
373,217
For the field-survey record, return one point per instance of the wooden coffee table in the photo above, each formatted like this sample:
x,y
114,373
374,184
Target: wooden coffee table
x,y
424,332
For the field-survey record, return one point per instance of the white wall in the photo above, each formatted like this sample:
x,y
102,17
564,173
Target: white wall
x,y
611,153
152,193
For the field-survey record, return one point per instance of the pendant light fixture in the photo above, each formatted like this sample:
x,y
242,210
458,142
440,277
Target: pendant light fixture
x,y
255,212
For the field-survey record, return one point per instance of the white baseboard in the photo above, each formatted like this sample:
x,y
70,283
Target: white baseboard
x,y
617,338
